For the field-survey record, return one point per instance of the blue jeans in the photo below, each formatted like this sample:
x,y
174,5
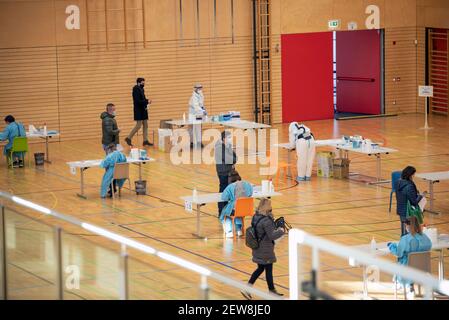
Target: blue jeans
x,y
228,224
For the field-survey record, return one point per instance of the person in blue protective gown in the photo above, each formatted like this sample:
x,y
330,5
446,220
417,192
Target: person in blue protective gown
x,y
414,241
236,189
12,130
113,156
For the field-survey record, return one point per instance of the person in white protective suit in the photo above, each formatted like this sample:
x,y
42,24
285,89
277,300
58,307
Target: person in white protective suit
x,y
196,108
301,139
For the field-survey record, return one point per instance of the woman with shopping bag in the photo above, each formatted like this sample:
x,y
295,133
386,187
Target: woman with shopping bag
x,y
408,198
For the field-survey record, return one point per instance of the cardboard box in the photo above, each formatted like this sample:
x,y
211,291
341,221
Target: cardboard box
x,y
341,168
165,140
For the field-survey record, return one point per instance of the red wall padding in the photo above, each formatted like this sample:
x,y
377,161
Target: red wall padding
x,y
358,57
307,85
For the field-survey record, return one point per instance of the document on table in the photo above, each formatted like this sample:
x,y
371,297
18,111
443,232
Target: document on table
x,y
422,204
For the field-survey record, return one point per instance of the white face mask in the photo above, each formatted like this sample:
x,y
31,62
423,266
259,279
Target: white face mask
x,y
114,113
199,91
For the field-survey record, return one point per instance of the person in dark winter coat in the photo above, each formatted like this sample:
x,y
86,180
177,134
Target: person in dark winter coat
x,y
109,127
406,191
140,112
264,255
225,159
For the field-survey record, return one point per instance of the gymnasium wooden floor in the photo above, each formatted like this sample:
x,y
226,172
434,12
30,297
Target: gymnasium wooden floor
x,y
349,212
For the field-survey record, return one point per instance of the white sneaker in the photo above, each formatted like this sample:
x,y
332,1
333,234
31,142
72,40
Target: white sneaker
x,y
229,235
239,233
410,295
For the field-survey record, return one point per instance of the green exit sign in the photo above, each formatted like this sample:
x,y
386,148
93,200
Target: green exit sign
x,y
334,24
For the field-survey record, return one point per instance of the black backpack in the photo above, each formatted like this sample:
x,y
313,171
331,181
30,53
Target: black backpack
x,y
251,239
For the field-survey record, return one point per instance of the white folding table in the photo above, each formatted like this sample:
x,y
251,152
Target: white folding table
x,y
86,164
378,152
432,178
46,137
233,123
202,200
382,250
318,143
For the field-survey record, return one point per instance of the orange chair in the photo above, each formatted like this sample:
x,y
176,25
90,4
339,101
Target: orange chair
x,y
281,165
244,207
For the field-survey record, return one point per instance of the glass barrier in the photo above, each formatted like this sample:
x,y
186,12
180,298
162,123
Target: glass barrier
x,y
79,260
30,258
90,271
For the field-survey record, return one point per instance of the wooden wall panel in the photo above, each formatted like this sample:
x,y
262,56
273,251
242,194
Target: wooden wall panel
x,y
224,19
70,84
433,13
421,65
29,87
90,80
27,24
403,59
276,73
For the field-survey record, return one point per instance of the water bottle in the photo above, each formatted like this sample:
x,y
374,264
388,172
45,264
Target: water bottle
x,y
184,117
373,245
45,129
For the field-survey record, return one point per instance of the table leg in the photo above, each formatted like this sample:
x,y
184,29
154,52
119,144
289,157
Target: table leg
x,y
47,154
140,171
378,167
198,224
81,195
431,195
289,160
441,265
379,171
365,283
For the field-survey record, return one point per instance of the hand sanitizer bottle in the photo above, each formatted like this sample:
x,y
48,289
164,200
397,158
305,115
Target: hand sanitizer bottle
x,y
45,129
184,117
195,195
373,245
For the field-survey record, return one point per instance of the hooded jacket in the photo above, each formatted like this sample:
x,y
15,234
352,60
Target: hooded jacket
x,y
406,191
267,233
109,128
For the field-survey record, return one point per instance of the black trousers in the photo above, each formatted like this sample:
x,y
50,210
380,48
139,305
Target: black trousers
x,y
403,229
114,182
268,275
223,184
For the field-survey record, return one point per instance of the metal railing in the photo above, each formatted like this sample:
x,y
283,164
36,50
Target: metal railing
x,y
298,238
125,244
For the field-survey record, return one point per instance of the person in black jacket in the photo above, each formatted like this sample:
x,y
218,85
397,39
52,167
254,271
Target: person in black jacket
x,y
140,112
406,191
225,159
109,127
264,255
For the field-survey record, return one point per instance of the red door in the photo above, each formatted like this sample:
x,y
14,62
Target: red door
x,y
359,71
307,84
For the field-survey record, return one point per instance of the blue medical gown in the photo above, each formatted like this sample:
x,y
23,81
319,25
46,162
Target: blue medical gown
x,y
229,195
409,244
11,131
109,163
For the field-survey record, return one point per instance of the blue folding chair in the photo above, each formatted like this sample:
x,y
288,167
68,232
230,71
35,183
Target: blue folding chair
x,y
395,176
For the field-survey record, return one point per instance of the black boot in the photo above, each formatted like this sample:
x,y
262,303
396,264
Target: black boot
x,y
147,143
276,293
128,142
